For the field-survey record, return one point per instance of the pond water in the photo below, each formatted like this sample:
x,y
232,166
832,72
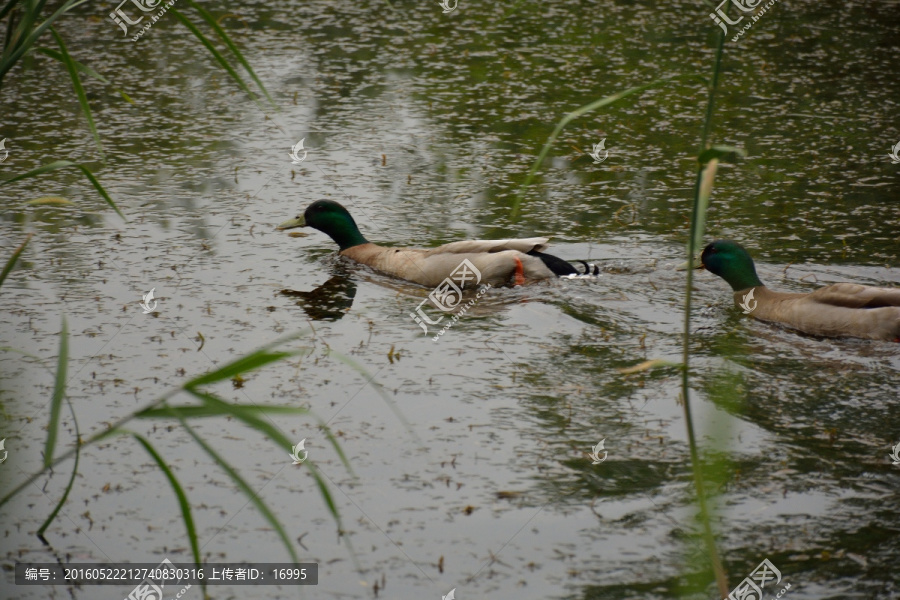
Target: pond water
x,y
470,453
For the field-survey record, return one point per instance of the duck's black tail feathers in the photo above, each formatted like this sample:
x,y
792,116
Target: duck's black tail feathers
x,y
562,268
590,269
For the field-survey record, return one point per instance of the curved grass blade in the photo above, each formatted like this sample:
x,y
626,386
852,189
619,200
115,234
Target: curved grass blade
x,y
216,54
216,407
244,412
251,362
14,54
234,49
326,495
58,164
183,503
112,429
79,89
7,8
707,166
83,68
579,112
371,379
707,177
12,259
199,412
61,164
59,391
245,488
284,442
59,505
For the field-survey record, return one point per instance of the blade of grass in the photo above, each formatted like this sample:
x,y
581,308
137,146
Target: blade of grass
x,y
711,102
246,414
79,89
279,438
326,495
113,429
216,55
371,378
183,503
579,112
245,488
16,31
251,362
193,411
59,390
702,186
706,183
12,259
62,500
234,49
12,56
7,8
83,68
708,537
61,164
216,407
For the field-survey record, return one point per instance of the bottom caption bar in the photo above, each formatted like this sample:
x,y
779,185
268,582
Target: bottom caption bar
x,y
155,577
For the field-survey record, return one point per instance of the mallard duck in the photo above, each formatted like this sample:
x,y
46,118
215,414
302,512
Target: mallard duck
x,y
499,262
837,310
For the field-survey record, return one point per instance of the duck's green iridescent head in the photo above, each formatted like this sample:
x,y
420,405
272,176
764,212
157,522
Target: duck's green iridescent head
x,y
330,218
731,262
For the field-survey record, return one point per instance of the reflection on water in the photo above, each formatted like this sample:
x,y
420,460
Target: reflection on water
x,y
423,125
328,302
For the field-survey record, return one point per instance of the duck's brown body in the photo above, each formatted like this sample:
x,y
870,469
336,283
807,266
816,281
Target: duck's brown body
x,y
496,261
838,310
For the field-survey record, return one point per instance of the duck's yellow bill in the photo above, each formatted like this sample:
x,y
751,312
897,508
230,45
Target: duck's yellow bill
x,y
690,264
292,223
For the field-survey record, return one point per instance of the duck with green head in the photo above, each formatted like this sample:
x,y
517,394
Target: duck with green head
x,y
837,310
499,262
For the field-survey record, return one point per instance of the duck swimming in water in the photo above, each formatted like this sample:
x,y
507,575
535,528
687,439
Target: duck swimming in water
x,y
499,262
837,310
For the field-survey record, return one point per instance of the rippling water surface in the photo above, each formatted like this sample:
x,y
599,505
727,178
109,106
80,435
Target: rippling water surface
x,y
469,454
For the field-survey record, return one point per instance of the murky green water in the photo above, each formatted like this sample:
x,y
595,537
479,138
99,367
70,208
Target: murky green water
x,y
424,124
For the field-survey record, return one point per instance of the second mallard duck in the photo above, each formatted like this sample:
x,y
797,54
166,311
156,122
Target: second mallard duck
x,y
837,310
500,262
